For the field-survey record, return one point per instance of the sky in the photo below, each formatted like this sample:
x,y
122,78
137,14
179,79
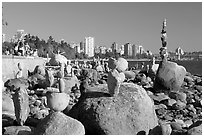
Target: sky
x,y
138,23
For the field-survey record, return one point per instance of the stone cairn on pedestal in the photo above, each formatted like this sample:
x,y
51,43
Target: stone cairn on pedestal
x,y
116,75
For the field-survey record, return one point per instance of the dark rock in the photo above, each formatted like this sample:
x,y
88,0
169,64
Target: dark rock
x,y
18,130
169,76
57,123
14,84
132,111
188,79
179,132
159,97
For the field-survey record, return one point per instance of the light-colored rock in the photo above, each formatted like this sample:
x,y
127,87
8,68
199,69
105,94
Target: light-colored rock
x,y
130,113
166,129
7,105
195,129
129,74
18,130
21,105
114,80
121,64
57,101
57,123
169,76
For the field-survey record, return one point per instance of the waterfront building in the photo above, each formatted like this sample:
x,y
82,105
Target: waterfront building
x,y
89,46
179,51
77,48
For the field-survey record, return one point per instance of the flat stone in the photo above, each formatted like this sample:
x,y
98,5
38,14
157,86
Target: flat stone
x,y
18,130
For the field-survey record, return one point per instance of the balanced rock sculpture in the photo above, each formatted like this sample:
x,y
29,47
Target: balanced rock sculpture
x,y
21,105
116,75
57,123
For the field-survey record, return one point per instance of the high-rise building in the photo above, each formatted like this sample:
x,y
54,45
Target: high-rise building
x,y
135,50
128,49
82,46
122,50
77,48
141,49
89,46
115,48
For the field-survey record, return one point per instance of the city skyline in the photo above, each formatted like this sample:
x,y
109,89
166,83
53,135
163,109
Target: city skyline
x,y
136,23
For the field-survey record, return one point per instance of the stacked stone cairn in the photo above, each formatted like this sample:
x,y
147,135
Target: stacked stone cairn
x,y
116,75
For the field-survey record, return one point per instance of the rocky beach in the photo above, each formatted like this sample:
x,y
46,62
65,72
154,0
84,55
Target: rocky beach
x,y
136,105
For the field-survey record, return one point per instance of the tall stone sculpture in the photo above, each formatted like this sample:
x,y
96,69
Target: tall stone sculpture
x,y
163,49
169,76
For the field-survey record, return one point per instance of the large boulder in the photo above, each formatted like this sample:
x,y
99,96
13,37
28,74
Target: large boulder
x,y
169,77
57,123
131,112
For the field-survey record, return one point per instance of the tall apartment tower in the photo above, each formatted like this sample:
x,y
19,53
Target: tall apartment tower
x,y
128,49
89,46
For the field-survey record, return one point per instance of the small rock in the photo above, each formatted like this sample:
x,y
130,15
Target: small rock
x,y
178,96
166,129
176,126
179,105
168,117
160,106
159,97
188,123
198,88
188,79
37,103
170,102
